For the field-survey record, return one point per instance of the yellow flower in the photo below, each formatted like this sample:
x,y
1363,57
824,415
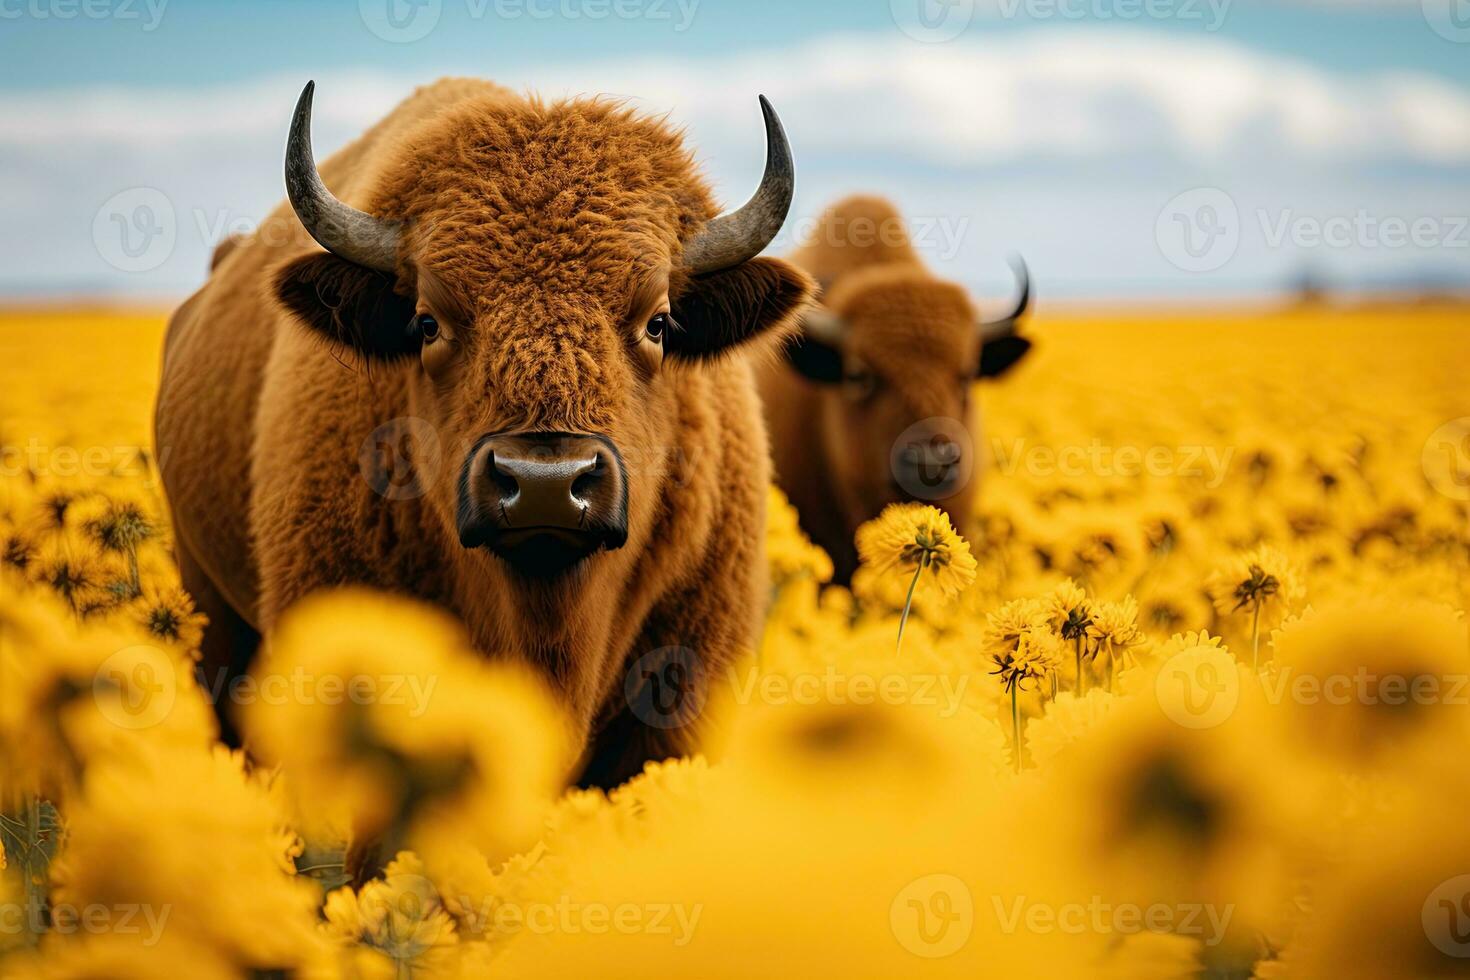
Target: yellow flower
x,y
70,693
168,613
1037,654
399,915
1069,611
185,832
789,552
913,538
1007,625
1259,579
1362,683
119,527
17,549
1114,632
384,720
1068,719
78,576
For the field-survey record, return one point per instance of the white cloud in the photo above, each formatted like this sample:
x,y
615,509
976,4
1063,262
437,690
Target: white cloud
x,y
975,110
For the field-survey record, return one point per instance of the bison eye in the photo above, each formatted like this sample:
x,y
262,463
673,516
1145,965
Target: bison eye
x,y
657,326
860,385
427,326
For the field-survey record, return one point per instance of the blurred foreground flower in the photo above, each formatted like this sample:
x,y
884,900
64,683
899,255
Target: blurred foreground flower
x,y
386,723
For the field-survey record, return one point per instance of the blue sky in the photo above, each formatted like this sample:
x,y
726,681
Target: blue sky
x,y
1087,134
227,40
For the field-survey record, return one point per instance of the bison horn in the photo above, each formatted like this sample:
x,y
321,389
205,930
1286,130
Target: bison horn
x,y
823,326
344,231
1006,326
741,235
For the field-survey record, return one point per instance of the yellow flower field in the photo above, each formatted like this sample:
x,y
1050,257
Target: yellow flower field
x,y
1217,598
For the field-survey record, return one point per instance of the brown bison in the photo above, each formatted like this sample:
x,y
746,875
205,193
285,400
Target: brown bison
x,y
509,384
872,403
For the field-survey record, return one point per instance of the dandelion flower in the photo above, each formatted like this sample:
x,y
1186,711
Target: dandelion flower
x,y
1114,631
400,915
1070,613
917,538
1257,581
1036,655
168,613
121,527
910,537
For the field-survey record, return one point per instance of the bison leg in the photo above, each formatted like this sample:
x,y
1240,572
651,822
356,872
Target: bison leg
x,y
685,651
228,646
655,716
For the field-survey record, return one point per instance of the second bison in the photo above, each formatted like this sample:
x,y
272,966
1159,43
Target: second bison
x,y
872,404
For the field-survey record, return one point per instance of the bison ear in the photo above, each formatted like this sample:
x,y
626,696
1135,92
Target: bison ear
x,y
349,306
720,311
1001,354
815,359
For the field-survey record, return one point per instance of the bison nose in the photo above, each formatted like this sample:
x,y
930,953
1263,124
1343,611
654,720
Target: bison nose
x,y
930,469
543,500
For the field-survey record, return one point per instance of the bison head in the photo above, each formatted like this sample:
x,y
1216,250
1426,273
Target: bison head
x,y
897,353
542,277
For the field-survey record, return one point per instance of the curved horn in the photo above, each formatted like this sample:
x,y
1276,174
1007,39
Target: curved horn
x,y
1006,325
344,231
740,235
823,326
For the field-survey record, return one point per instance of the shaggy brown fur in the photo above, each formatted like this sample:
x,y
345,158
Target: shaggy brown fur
x,y
535,232
910,353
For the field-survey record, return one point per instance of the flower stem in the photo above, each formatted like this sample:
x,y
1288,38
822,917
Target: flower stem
x,y
1016,725
33,867
1256,637
1081,683
135,581
907,605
